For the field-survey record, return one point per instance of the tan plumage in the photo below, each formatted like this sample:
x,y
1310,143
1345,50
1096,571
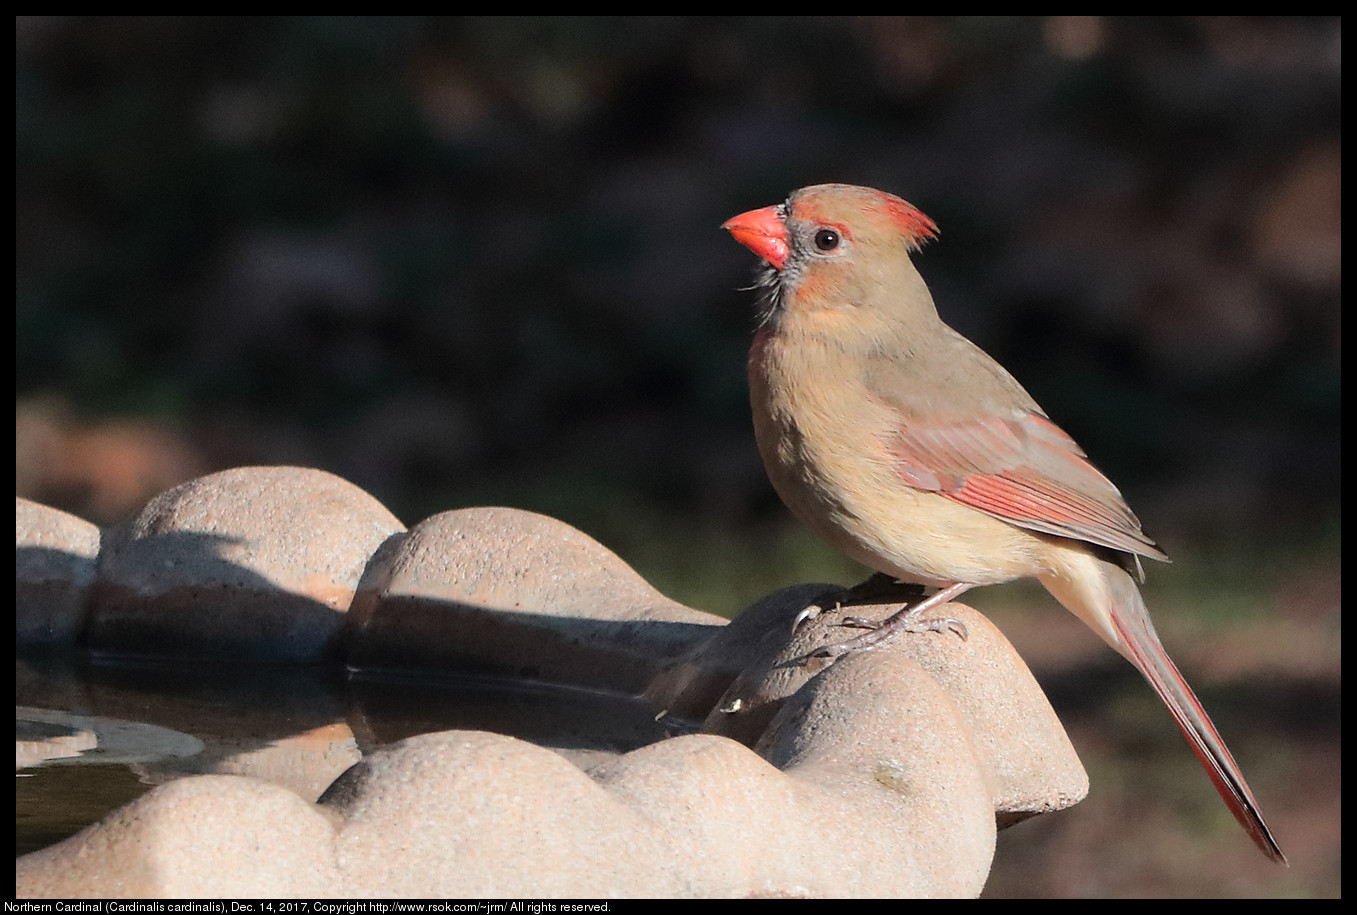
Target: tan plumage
x,y
909,449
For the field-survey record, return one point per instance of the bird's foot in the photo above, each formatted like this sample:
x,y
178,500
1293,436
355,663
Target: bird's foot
x,y
878,588
907,619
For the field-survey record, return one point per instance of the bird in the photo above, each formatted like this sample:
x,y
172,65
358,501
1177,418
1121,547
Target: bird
x,y
908,448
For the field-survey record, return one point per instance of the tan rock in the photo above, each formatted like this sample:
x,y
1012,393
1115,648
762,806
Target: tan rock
x,y
209,836
513,593
54,562
251,563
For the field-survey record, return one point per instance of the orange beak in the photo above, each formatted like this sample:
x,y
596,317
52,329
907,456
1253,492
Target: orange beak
x,y
763,232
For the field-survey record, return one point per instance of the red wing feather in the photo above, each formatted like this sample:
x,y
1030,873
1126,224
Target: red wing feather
x,y
1025,471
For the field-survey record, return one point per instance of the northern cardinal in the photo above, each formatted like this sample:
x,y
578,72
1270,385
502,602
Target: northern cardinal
x,y
908,448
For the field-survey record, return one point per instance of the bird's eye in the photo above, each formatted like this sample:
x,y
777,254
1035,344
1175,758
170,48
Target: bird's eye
x,y
826,240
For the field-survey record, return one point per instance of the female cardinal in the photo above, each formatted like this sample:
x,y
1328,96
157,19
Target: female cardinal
x,y
903,444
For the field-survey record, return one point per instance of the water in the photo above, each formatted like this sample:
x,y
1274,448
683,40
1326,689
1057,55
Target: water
x,y
93,735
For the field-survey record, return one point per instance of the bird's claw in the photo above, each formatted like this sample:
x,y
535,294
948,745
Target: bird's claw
x,y
951,625
811,611
806,615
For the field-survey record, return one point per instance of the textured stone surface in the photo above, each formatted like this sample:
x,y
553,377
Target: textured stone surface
x,y
214,835
1033,766
251,563
870,780
513,593
693,687
883,773
54,561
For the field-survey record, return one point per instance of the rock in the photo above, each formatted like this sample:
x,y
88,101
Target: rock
x,y
214,835
54,562
256,563
883,773
512,593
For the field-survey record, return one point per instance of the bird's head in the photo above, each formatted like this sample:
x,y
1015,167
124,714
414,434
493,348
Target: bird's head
x,y
836,251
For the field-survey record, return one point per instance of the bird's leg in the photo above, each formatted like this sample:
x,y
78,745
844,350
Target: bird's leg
x,y
907,619
879,588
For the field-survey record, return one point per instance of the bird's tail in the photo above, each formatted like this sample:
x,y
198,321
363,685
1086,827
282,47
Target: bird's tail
x,y
1124,623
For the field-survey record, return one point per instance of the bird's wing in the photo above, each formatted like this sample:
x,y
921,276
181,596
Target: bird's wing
x,y
1023,469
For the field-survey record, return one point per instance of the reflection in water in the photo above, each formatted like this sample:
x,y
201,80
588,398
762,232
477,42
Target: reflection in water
x,y
94,735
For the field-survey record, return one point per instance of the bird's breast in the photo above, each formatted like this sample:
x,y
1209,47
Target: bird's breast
x,y
823,438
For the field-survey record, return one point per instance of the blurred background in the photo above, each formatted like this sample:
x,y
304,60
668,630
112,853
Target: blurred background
x,y
469,262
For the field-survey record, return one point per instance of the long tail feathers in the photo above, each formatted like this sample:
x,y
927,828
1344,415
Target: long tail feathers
x,y
1143,648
